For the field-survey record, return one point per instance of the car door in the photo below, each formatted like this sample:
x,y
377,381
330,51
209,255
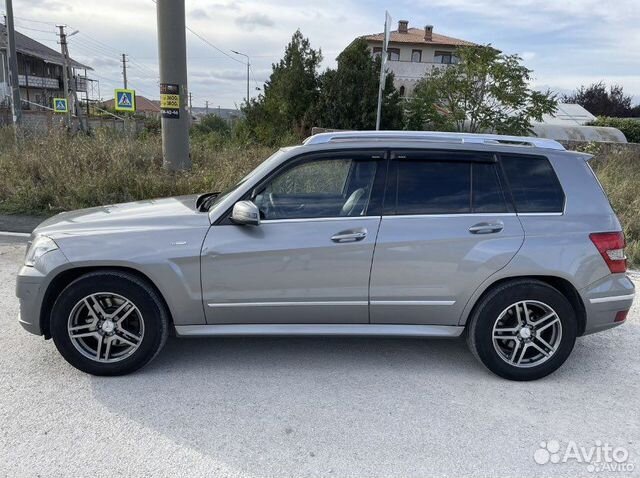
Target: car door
x,y
447,226
310,258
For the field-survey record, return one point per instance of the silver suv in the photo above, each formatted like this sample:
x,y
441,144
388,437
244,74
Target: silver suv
x,y
508,240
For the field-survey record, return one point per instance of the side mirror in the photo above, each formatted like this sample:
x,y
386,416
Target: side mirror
x,y
245,213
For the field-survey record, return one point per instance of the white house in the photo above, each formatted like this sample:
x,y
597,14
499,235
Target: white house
x,y
413,52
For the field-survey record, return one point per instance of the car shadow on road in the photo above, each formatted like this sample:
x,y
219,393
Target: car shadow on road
x,y
291,406
285,398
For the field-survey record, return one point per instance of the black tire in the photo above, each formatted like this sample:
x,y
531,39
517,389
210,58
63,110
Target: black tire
x,y
138,292
485,315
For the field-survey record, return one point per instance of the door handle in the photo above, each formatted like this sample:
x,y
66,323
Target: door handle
x,y
351,235
486,228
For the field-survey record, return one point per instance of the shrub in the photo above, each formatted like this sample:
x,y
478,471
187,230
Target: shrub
x,y
629,127
619,173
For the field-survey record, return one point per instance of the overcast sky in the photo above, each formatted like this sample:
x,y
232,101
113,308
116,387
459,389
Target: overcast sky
x,y
566,42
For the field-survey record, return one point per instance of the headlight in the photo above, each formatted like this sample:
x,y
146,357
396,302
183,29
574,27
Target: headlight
x,y
40,246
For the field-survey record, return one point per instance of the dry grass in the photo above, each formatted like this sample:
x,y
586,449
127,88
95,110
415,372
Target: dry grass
x,y
619,173
53,173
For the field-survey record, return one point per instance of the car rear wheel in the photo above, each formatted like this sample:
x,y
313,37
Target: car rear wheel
x,y
109,323
522,330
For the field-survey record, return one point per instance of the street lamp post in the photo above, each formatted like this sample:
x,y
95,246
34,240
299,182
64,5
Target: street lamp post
x,y
248,67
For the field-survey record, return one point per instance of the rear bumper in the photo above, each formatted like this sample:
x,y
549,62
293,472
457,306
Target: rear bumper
x,y
604,299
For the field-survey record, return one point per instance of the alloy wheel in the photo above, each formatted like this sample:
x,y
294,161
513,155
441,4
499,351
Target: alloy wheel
x,y
106,327
527,333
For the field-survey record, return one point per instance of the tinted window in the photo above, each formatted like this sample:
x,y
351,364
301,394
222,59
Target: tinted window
x,y
487,193
533,183
433,187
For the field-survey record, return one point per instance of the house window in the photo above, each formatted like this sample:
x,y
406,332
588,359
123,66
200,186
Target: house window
x,y
377,51
394,54
402,91
416,56
446,57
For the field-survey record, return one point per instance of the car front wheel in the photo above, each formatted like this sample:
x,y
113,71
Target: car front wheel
x,y
109,323
522,330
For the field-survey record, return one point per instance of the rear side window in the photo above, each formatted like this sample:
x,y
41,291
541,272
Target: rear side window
x,y
534,184
487,194
433,187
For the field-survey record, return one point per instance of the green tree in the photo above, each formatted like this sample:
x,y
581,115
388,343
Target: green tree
x,y
484,91
349,94
212,123
290,94
599,102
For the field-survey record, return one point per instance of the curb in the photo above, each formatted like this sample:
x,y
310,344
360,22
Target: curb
x,y
18,223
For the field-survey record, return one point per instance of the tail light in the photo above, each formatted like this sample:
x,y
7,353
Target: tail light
x,y
621,316
611,248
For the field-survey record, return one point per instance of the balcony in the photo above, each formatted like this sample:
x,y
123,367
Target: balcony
x,y
80,83
410,70
39,82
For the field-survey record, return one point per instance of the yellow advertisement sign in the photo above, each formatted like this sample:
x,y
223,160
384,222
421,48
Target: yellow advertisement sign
x,y
170,100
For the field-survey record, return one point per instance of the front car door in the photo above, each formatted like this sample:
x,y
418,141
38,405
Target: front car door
x,y
310,258
447,226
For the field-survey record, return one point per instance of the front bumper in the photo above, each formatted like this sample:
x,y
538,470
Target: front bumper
x,y
31,286
604,299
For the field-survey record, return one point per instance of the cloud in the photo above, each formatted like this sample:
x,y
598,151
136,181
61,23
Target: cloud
x,y
253,20
199,14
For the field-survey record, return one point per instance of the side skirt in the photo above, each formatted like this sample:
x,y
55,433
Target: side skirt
x,y
382,330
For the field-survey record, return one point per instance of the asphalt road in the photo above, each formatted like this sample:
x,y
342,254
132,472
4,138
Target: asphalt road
x,y
307,407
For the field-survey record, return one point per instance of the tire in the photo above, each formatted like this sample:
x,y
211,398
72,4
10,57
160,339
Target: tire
x,y
501,314
118,323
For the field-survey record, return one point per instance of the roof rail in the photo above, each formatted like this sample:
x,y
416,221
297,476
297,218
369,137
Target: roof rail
x,y
433,137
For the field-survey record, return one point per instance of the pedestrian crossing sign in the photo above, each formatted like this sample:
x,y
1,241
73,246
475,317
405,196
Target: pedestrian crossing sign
x,y
125,100
60,105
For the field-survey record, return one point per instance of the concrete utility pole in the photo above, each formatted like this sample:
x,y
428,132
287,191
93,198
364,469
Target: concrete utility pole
x,y
190,105
65,72
70,87
206,107
124,70
12,62
248,71
172,48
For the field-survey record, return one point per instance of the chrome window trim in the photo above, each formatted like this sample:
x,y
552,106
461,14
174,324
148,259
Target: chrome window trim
x,y
474,214
542,214
317,219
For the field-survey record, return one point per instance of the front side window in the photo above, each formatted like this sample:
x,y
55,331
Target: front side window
x,y
318,188
534,184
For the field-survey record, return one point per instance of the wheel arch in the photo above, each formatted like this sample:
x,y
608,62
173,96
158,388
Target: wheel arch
x,y
67,276
564,286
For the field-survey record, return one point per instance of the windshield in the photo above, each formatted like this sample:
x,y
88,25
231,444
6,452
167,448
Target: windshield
x,y
265,165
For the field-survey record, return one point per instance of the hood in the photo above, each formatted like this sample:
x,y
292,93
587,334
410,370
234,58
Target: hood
x,y
173,212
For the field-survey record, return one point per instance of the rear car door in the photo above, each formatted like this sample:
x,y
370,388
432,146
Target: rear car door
x,y
310,258
447,225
